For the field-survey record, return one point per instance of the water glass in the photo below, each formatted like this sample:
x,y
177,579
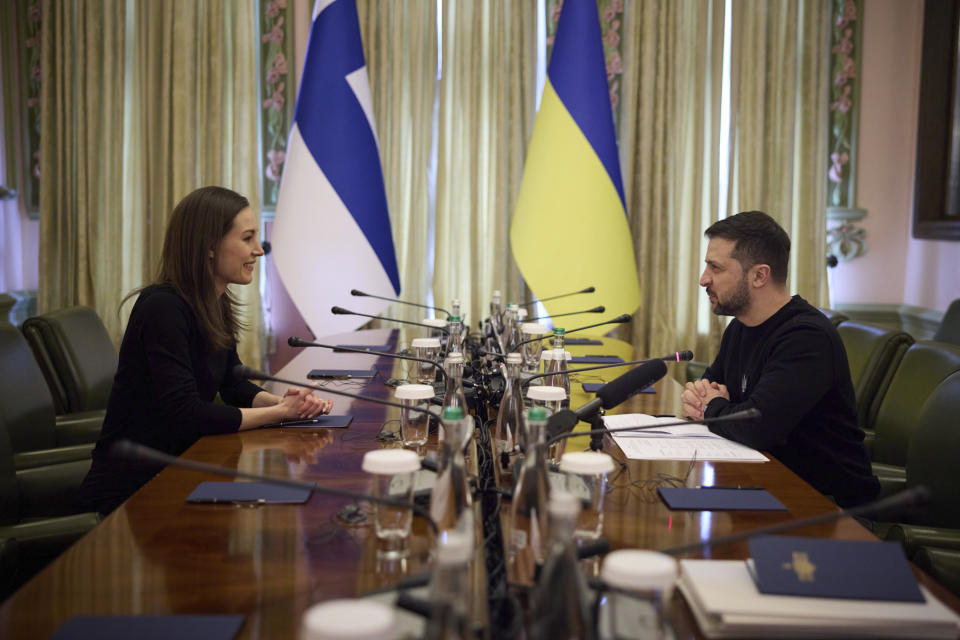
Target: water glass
x,y
393,473
436,328
586,477
415,416
551,399
531,350
428,349
641,585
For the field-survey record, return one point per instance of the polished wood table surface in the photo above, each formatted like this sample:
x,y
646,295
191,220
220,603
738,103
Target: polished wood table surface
x,y
158,555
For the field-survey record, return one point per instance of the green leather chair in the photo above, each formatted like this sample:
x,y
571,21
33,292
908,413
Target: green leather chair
x,y
949,330
871,353
894,415
933,538
38,510
835,317
26,411
76,355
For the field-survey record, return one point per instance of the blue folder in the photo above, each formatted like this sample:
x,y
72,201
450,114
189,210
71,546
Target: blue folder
x,y
368,347
824,568
593,387
342,373
720,499
262,492
596,359
320,422
185,627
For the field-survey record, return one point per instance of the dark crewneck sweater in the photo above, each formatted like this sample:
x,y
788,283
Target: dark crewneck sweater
x,y
163,395
794,369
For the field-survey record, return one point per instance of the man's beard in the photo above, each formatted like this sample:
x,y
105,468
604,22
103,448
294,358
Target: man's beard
x,y
737,304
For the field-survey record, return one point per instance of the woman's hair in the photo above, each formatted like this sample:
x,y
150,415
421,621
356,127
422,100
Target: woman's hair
x,y
198,224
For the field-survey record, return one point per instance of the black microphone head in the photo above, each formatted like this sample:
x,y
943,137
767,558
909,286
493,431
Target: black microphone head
x,y
357,292
589,290
684,356
294,341
599,309
339,311
619,389
623,317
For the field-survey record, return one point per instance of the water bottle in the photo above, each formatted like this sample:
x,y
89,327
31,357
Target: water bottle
x,y
510,418
528,507
451,500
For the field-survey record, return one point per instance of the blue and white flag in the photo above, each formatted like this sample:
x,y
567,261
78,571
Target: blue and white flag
x,y
331,231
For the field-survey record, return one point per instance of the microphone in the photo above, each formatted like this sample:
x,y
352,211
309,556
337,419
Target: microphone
x,y
356,292
340,311
747,415
243,372
599,309
624,317
294,341
135,451
883,509
679,356
562,295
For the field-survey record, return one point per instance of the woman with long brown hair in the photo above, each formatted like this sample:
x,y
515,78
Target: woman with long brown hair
x,y
179,349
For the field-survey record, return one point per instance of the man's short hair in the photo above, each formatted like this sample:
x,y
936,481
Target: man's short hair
x,y
758,239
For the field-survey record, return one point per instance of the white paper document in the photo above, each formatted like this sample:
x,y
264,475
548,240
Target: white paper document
x,y
681,442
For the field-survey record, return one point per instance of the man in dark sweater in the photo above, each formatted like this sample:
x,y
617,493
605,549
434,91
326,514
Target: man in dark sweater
x,y
783,357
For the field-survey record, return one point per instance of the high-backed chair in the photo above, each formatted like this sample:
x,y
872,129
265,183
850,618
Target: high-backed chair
x,y
894,419
871,352
26,410
37,509
933,537
76,356
949,330
834,316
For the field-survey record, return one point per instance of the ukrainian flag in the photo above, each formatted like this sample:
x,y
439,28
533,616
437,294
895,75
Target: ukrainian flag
x,y
569,230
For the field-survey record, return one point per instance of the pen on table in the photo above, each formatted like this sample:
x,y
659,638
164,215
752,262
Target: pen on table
x,y
736,487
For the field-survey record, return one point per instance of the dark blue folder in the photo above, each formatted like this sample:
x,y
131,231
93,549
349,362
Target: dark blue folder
x,y
368,347
593,387
824,568
597,359
342,373
265,492
582,342
720,499
320,422
192,627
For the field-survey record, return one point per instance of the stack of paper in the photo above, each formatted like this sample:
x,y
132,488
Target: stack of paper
x,y
726,604
675,443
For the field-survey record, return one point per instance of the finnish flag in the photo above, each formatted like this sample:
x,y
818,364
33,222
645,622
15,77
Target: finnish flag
x,y
331,229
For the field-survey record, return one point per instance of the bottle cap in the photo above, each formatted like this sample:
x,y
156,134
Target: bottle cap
x,y
522,313
537,414
435,322
414,392
639,569
453,413
564,503
586,463
548,354
390,461
514,358
546,394
559,331
496,293
455,302
453,548
533,328
455,357
453,319
344,619
426,342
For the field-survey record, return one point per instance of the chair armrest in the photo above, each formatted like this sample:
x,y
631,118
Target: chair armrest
x,y
892,478
696,369
943,565
47,457
51,491
79,428
912,537
41,541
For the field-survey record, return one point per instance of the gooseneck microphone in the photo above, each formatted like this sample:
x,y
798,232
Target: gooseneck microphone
x,y
243,372
747,415
599,309
885,508
679,356
130,450
624,317
356,292
340,311
294,341
561,295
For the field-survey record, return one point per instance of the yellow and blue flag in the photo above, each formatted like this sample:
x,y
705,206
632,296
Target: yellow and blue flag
x,y
570,230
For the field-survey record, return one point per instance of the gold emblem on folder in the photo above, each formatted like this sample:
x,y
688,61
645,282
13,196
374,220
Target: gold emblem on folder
x,y
802,566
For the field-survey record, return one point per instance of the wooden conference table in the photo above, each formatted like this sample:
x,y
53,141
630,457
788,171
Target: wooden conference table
x,y
158,555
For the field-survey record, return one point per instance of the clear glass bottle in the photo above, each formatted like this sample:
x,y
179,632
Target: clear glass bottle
x,y
496,311
558,366
509,321
455,329
453,395
528,507
510,417
560,604
450,599
450,500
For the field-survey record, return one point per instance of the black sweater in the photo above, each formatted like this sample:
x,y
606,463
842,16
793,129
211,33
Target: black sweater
x,y
163,395
794,369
